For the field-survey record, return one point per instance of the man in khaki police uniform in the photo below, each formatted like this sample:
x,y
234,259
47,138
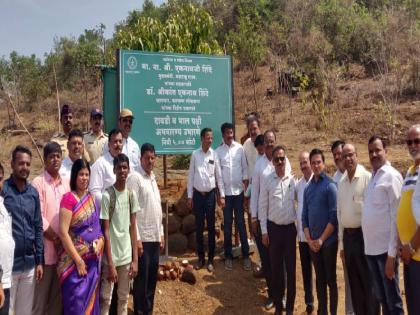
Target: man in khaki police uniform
x,y
66,120
95,139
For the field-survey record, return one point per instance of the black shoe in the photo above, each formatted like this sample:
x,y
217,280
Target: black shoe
x,y
200,264
309,308
277,312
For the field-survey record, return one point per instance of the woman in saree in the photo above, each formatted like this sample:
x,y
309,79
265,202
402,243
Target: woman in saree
x,y
82,242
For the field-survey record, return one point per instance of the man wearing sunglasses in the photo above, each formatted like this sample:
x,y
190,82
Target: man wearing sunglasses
x,y
277,219
408,224
263,167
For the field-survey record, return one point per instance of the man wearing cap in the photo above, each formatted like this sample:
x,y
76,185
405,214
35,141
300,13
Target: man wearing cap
x,y
95,139
130,146
66,120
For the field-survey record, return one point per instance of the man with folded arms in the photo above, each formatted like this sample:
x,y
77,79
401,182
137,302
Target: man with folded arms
x,y
277,216
351,190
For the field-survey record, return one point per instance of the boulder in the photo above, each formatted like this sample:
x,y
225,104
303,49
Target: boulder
x,y
188,224
177,243
181,207
174,223
191,241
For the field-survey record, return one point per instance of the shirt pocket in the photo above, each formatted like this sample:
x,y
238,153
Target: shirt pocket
x,y
379,196
225,161
210,167
237,160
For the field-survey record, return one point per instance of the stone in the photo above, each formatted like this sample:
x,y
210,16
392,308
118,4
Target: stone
x,y
188,224
177,243
174,223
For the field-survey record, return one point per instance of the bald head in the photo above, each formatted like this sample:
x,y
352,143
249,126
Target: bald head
x,y
349,156
414,128
305,165
269,142
303,155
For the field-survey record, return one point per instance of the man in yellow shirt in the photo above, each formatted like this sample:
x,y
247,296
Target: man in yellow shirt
x,y
408,224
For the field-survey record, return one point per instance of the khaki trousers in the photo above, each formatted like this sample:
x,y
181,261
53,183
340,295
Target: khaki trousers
x,y
123,289
47,296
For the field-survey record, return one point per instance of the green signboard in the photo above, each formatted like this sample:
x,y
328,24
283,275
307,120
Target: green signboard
x,y
110,98
173,96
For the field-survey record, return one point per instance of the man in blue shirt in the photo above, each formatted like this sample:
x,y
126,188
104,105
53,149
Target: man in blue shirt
x,y
319,221
22,201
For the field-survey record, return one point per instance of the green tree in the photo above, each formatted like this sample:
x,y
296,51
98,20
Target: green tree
x,y
189,29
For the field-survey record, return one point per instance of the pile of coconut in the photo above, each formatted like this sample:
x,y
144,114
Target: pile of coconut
x,y
175,270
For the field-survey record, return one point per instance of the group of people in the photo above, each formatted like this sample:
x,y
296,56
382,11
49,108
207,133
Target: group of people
x,y
78,238
372,220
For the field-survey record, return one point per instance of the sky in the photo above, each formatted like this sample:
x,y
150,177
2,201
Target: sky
x,y
30,26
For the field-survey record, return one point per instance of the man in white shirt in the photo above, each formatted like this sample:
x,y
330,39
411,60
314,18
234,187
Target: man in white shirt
x,y
263,163
75,147
203,175
277,219
130,146
263,167
102,173
253,126
235,180
7,245
379,227
351,190
336,149
149,222
304,251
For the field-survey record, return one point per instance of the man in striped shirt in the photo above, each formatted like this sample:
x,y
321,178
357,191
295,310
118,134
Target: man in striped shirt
x,y
408,224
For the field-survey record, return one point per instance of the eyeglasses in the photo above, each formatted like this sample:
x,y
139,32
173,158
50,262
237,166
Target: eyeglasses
x,y
411,142
128,120
279,159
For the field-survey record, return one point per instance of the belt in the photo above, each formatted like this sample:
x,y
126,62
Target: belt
x,y
281,225
352,230
204,193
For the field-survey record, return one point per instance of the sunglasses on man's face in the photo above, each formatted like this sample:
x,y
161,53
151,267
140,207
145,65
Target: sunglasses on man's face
x,y
127,120
279,159
411,142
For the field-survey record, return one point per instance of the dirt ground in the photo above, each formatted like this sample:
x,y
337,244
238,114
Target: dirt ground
x,y
237,292
232,292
